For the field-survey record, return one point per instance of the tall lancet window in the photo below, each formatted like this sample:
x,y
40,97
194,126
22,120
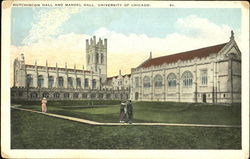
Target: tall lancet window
x,y
70,82
60,82
204,79
51,81
78,83
94,83
40,81
86,82
187,79
158,81
171,80
146,82
29,80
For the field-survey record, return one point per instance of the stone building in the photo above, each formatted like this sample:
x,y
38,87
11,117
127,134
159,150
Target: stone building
x,y
34,82
211,74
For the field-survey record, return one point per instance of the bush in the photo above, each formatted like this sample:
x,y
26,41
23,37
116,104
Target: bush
x,y
68,102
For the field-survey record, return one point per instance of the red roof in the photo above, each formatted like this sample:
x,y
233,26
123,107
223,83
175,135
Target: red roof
x,y
188,55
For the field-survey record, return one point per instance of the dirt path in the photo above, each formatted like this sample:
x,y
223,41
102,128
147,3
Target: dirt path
x,y
124,124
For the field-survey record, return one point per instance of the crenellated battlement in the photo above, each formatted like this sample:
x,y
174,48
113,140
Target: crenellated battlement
x,y
92,42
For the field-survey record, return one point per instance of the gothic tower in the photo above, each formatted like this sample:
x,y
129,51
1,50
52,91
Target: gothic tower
x,y
19,72
96,57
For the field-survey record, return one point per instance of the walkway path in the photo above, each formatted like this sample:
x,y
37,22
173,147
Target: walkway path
x,y
112,124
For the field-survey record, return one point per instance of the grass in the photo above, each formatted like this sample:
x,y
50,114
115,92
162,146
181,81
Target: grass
x,y
168,112
36,131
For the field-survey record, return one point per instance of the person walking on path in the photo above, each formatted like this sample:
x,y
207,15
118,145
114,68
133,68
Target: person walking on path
x,y
122,112
44,106
130,111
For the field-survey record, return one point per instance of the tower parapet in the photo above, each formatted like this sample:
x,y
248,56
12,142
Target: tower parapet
x,y
96,56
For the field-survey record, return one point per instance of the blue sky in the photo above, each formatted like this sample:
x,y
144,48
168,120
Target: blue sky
x,y
153,22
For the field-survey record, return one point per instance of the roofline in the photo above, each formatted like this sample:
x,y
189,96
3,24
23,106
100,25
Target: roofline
x,y
180,53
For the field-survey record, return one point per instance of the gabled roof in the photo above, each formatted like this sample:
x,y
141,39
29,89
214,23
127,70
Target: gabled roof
x,y
188,55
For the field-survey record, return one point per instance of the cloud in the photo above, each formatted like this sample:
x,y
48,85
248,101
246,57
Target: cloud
x,y
49,24
124,51
200,27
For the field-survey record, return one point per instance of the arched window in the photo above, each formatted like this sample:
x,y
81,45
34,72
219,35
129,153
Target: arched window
x,y
93,95
29,80
146,82
33,95
116,95
158,81
171,80
84,95
204,79
56,95
66,95
108,96
75,95
46,94
100,95
51,81
60,81
70,82
187,79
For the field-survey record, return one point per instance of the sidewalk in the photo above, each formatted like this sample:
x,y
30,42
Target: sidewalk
x,y
125,124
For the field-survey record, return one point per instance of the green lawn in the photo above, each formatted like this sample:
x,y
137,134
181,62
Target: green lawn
x,y
37,131
168,112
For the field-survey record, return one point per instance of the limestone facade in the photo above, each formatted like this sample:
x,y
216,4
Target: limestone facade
x,y
211,74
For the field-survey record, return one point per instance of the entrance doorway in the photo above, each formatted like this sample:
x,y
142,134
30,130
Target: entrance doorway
x,y
204,98
136,95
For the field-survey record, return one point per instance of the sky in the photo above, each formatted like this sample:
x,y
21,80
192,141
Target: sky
x,y
59,34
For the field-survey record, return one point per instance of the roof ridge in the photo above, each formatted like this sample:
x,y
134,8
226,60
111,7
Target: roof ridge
x,y
191,50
